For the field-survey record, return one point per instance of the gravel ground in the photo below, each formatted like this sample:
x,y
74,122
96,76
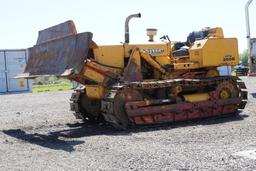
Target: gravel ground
x,y
38,132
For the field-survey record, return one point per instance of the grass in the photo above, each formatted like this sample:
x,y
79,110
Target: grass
x,y
51,87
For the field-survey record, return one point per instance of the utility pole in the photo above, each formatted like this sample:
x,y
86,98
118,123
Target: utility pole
x,y
249,42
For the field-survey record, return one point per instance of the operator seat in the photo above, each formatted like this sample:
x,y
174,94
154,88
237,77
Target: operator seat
x,y
182,48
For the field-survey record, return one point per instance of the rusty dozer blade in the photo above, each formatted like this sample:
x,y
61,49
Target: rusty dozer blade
x,y
59,51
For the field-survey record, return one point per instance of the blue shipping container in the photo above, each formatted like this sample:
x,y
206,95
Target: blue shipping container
x,y
13,62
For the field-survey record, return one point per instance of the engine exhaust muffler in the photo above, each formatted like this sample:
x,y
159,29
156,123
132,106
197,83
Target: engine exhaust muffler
x,y
126,35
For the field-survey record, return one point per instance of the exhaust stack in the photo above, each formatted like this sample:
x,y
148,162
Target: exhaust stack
x,y
127,35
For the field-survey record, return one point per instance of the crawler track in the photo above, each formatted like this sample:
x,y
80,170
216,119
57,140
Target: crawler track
x,y
84,108
137,112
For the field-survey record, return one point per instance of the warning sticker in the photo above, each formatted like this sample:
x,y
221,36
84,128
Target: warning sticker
x,y
22,83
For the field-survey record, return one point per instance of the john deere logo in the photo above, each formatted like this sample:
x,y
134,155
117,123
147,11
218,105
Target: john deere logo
x,y
154,51
229,58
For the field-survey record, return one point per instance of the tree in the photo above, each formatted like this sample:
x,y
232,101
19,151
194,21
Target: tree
x,y
243,58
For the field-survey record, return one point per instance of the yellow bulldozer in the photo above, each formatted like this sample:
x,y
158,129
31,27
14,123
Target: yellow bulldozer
x,y
135,84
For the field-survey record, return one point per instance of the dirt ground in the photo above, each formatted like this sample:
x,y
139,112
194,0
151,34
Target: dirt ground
x,y
38,132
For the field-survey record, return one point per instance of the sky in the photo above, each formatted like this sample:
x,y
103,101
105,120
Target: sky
x,y
22,19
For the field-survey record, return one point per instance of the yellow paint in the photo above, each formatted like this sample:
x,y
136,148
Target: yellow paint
x,y
224,94
211,52
212,73
215,52
187,65
21,83
94,75
164,60
196,52
154,49
135,55
110,72
218,52
196,97
152,62
216,32
111,55
95,91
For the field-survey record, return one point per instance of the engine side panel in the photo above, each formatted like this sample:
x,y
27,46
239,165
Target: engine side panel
x,y
114,55
215,52
111,55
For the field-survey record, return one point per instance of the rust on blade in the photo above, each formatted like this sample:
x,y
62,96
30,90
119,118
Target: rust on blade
x,y
59,57
59,51
55,32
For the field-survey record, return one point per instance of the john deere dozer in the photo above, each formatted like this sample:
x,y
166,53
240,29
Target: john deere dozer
x,y
135,84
